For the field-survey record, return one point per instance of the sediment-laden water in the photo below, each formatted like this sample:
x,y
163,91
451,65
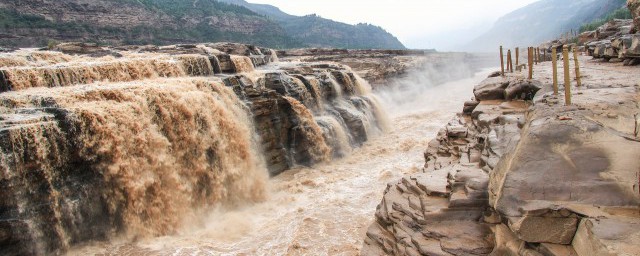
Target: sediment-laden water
x,y
138,147
324,209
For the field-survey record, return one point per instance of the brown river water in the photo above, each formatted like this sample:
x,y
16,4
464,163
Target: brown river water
x,y
320,210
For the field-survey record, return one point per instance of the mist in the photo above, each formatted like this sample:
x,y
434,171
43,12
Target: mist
x,y
430,24
433,85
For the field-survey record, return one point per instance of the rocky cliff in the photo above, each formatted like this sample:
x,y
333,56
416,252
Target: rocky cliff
x,y
516,174
101,142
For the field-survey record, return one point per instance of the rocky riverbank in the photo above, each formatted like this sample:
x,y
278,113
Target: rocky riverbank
x,y
515,174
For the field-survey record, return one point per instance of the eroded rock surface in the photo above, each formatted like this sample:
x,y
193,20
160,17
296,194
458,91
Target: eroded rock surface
x,y
520,177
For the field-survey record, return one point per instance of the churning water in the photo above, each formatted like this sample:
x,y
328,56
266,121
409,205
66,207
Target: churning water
x,y
324,209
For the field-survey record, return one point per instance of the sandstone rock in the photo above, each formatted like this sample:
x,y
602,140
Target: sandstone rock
x,y
495,74
469,106
542,229
90,49
522,89
607,237
634,7
547,249
491,89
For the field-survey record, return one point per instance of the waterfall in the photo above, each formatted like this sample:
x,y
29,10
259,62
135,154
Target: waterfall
x,y
336,133
154,152
313,139
242,64
113,71
131,147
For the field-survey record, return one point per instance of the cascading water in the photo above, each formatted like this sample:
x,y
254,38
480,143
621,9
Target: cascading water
x,y
156,152
326,208
113,71
133,148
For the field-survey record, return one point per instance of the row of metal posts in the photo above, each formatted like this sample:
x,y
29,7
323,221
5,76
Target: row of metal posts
x,y
534,55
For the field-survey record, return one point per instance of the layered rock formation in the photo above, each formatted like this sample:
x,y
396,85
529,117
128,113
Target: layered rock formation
x,y
514,177
613,42
135,141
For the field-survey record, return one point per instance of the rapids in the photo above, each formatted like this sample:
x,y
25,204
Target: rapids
x,y
324,209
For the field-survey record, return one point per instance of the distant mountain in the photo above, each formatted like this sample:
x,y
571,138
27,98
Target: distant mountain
x,y
36,23
542,21
316,31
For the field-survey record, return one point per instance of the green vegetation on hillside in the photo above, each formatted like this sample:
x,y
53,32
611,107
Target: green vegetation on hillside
x,y
622,13
179,21
319,32
21,30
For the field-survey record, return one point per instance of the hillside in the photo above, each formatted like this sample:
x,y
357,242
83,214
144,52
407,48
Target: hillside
x,y
542,21
34,23
316,31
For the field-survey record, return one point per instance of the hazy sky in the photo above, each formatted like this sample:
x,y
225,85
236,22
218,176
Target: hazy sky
x,y
441,24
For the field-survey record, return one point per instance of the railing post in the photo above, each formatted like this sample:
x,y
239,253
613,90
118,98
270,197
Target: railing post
x,y
554,60
530,53
517,57
509,61
501,61
567,80
577,63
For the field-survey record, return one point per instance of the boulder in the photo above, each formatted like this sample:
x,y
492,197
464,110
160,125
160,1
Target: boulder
x,y
607,237
469,106
491,89
495,74
522,89
634,7
633,48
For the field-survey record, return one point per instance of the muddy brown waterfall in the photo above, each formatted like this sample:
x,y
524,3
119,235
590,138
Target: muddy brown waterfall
x,y
130,147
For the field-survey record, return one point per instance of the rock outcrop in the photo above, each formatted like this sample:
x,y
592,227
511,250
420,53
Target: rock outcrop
x,y
132,143
613,42
514,177
634,7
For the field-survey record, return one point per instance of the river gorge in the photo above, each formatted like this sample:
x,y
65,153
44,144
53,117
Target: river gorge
x,y
169,149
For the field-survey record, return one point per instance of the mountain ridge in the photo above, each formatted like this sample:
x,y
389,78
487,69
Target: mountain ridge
x,y
37,23
316,31
542,21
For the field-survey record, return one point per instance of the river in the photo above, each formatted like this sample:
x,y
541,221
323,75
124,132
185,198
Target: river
x,y
320,210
